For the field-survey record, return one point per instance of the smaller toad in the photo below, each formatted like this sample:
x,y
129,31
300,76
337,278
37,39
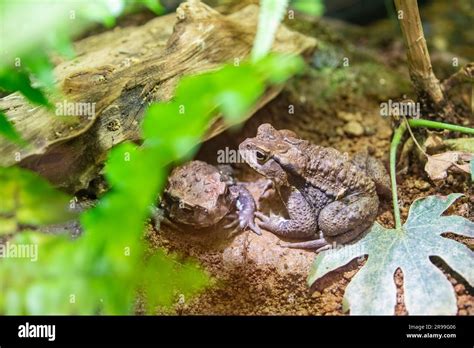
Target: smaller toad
x,y
199,195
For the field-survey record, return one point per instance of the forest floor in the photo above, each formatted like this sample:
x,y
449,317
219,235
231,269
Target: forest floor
x,y
276,285
340,108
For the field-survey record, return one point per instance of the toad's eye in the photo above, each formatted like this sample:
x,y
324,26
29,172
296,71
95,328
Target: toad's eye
x,y
261,156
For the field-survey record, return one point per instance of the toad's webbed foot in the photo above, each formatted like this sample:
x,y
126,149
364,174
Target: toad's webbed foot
x,y
245,210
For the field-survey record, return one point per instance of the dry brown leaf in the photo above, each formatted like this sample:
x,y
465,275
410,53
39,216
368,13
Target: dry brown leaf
x,y
434,143
438,166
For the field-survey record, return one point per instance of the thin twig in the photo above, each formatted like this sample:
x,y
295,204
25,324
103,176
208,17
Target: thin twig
x,y
413,137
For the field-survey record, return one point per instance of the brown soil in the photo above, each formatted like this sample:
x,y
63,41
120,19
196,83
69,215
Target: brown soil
x,y
255,276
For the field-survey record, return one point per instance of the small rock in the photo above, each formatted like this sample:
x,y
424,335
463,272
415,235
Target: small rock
x,y
433,143
450,179
349,116
463,300
422,185
464,210
316,294
339,131
459,288
370,130
354,128
384,133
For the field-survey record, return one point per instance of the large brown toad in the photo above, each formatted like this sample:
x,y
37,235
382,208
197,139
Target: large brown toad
x,y
322,189
199,195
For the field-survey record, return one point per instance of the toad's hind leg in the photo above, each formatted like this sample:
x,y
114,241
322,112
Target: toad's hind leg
x,y
303,222
343,221
316,244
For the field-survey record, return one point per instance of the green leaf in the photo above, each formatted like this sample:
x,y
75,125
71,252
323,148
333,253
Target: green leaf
x,y
311,7
427,291
8,130
461,144
165,276
237,98
40,68
102,11
270,16
27,199
17,80
277,69
60,41
153,5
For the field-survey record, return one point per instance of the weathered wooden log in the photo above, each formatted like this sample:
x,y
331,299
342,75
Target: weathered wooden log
x,y
120,73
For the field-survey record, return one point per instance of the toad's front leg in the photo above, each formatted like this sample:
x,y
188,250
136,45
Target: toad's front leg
x,y
302,223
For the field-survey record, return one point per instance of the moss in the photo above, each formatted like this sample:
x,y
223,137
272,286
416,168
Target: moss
x,y
365,80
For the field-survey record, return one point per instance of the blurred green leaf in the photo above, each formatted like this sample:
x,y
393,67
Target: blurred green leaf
x,y
153,5
60,41
17,80
311,7
237,98
187,278
460,144
40,67
277,68
8,130
30,199
102,11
